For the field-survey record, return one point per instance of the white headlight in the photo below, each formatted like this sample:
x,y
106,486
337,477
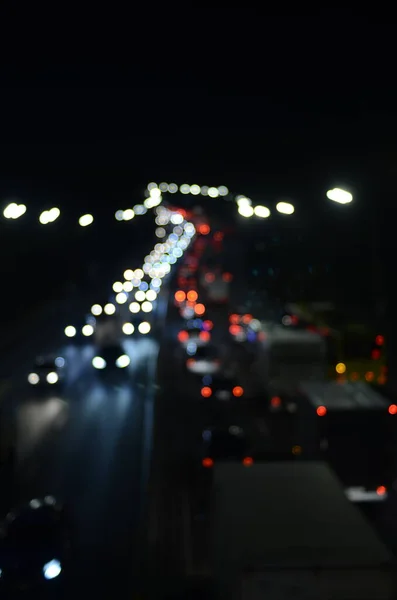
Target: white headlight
x,y
87,330
121,298
144,327
135,307
70,331
52,377
151,295
147,307
33,378
96,310
52,569
117,287
128,328
110,309
123,361
140,296
98,362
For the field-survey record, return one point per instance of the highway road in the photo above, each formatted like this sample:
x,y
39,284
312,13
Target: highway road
x,y
90,446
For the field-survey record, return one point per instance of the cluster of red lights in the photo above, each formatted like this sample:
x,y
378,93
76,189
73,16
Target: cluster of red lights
x,y
208,462
237,391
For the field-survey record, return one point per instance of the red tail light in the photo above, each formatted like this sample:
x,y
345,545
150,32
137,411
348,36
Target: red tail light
x,y
321,411
393,409
208,325
210,277
275,402
190,362
238,391
180,296
381,490
247,319
206,392
207,462
204,336
248,461
234,319
228,277
183,336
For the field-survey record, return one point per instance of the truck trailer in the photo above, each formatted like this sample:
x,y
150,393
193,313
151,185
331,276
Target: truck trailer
x,y
286,530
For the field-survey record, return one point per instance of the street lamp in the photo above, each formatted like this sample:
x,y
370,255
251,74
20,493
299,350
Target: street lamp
x,y
245,210
340,196
285,208
262,212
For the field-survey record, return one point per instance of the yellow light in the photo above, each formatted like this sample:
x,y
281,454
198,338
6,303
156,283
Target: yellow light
x,y
340,368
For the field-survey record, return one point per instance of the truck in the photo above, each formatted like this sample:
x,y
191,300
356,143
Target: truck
x,y
283,530
352,427
287,356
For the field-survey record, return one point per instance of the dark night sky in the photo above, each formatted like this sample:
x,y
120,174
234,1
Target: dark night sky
x,y
268,106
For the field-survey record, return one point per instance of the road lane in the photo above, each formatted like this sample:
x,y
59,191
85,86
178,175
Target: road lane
x,y
89,444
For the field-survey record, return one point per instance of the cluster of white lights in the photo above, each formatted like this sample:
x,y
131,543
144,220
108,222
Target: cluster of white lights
x,y
245,208
14,210
156,266
154,193
195,190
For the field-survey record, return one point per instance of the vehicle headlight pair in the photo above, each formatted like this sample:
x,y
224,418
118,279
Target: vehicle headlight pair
x,y
51,378
100,363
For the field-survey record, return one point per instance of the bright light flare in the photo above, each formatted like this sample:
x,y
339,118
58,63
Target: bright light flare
x,y
98,363
123,361
245,210
110,309
49,216
144,327
86,220
285,208
96,310
14,211
121,298
339,196
128,214
70,331
135,307
262,211
128,328
87,330
147,307
117,287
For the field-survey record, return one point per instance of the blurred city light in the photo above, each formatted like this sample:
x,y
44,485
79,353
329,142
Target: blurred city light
x,y
144,327
285,208
70,331
128,214
110,309
245,210
86,220
340,196
14,211
49,216
128,328
262,211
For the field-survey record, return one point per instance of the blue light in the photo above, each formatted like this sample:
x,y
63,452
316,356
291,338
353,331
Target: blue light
x,y
144,286
207,380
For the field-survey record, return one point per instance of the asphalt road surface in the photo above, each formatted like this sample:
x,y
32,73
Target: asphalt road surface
x,y
89,444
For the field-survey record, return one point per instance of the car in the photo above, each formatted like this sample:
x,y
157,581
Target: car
x,y
225,443
195,335
112,357
35,545
205,360
47,371
220,387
